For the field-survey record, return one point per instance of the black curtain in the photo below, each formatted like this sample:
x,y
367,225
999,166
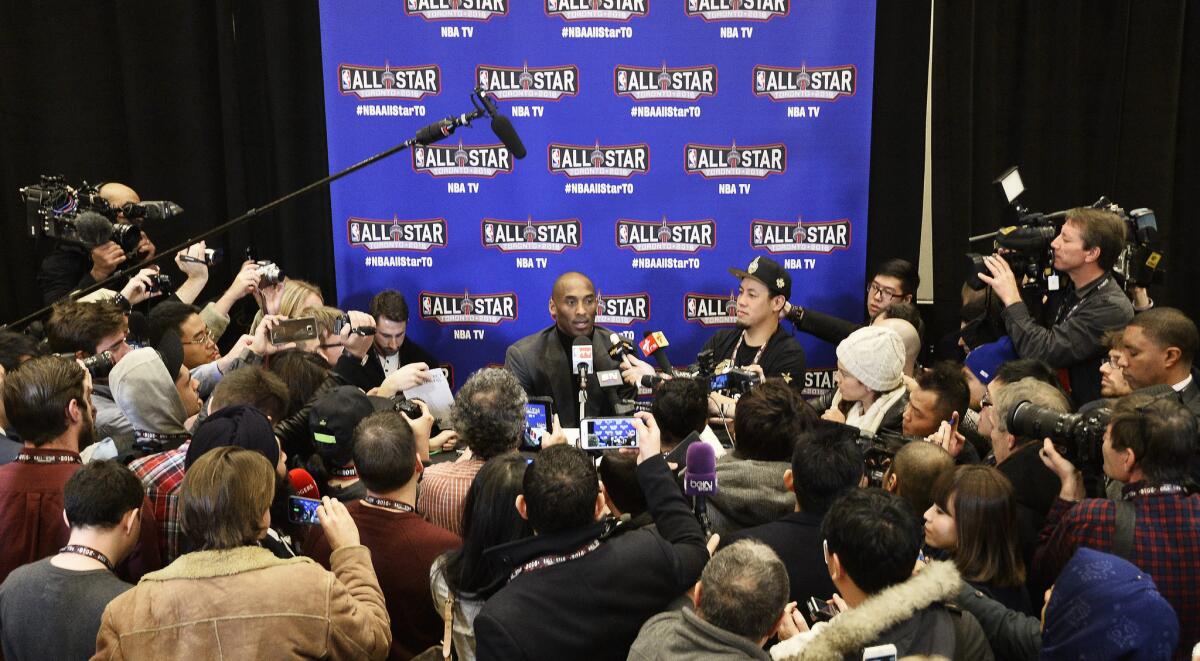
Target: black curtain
x,y
1088,97
215,105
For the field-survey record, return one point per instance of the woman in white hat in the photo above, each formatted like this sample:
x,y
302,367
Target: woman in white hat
x,y
871,393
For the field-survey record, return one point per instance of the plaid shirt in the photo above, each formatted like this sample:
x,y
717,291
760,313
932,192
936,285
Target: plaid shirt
x,y
1166,545
162,475
443,492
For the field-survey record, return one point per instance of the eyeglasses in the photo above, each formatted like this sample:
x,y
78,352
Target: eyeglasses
x,y
874,290
985,401
1113,361
203,337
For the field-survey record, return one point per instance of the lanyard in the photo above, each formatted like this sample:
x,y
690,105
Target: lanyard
x,y
1156,490
89,552
388,503
24,458
733,358
551,560
1065,313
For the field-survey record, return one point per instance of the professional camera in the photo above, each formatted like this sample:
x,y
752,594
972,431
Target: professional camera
x,y
98,365
1078,436
734,381
81,216
878,450
1026,245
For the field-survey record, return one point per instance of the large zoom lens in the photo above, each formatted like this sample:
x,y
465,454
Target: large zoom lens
x,y
1080,434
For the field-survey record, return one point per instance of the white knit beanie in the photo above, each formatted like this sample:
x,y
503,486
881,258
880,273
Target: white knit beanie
x,y
875,356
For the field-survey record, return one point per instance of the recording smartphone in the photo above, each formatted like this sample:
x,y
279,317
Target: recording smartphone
x,y
880,653
821,611
294,330
607,433
538,414
303,510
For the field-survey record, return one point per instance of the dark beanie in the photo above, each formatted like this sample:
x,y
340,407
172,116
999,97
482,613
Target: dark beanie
x,y
237,426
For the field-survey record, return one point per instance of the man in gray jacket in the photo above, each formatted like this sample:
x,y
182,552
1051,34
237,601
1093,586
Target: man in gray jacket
x,y
738,605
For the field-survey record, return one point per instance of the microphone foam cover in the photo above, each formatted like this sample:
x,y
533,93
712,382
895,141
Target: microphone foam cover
x,y
504,130
701,459
93,229
303,483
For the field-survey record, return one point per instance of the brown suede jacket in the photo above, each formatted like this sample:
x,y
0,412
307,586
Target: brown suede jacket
x,y
245,603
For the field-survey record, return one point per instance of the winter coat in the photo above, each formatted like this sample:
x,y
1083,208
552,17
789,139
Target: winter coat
x,y
682,635
909,615
245,603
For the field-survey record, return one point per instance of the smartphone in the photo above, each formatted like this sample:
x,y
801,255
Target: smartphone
x,y
821,611
538,414
880,653
294,330
678,456
607,433
303,510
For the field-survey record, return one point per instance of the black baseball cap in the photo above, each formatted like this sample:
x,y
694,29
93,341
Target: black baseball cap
x,y
767,271
332,418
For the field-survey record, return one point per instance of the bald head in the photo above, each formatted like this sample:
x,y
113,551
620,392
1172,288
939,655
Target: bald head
x,y
915,468
908,334
573,304
118,195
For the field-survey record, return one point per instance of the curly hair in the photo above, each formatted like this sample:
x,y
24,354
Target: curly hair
x,y
489,412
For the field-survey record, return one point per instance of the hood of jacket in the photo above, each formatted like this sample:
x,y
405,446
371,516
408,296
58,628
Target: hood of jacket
x,y
751,491
901,612
146,393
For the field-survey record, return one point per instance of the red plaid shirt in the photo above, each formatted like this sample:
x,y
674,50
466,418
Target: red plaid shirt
x,y
1166,545
162,474
443,493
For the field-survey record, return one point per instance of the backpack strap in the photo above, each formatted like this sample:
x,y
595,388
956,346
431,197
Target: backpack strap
x,y
1123,534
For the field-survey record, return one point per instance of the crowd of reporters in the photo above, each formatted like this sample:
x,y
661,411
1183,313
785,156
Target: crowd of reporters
x,y
147,482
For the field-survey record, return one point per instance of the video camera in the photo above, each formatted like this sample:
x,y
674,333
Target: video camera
x,y
1026,244
732,381
81,216
878,450
1077,436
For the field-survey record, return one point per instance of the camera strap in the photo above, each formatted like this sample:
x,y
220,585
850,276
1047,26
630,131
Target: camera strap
x,y
1066,311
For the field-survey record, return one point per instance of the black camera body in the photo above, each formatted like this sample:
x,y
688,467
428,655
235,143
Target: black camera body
x,y
81,216
98,365
1078,436
344,321
160,283
734,381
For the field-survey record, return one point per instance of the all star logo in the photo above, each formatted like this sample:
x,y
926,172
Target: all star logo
x,y
779,236
531,236
734,10
526,82
818,381
620,161
804,83
710,309
622,309
468,308
444,10
597,10
716,161
396,234
462,161
388,82
666,236
664,83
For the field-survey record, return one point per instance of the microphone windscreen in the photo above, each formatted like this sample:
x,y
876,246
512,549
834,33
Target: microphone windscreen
x,y
303,483
504,130
700,476
93,229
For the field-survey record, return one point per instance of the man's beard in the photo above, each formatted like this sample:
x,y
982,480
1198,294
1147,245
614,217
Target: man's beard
x,y
87,433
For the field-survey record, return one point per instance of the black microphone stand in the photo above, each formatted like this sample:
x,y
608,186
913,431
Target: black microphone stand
x,y
428,135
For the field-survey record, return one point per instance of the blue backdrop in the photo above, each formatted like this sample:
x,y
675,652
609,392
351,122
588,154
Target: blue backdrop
x,y
668,140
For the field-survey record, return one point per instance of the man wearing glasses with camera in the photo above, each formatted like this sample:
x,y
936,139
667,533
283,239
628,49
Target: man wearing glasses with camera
x,y
895,281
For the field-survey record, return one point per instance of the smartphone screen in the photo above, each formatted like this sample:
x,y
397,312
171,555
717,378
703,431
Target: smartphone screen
x,y
719,382
607,433
537,420
303,510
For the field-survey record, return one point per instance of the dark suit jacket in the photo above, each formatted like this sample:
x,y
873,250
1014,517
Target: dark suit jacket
x,y
796,539
410,352
593,606
544,370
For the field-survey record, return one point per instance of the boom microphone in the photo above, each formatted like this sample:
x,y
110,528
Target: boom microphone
x,y
303,483
504,130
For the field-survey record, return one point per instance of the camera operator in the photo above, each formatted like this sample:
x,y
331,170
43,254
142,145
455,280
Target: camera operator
x,y
1068,336
1147,445
69,267
1158,348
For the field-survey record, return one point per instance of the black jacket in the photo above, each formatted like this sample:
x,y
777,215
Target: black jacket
x,y
294,435
592,607
543,370
410,352
797,540
67,268
783,355
822,326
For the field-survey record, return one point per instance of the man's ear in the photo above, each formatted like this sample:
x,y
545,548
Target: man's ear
x,y
520,502
696,595
129,522
1171,356
65,520
1127,458
835,567
1092,254
789,480
553,313
890,484
75,411
1010,441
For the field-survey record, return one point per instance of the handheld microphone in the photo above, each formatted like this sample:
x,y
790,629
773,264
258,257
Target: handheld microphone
x,y
303,483
651,381
581,355
700,480
655,344
619,349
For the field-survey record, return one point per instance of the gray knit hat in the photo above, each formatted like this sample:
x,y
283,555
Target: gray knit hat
x,y
875,356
